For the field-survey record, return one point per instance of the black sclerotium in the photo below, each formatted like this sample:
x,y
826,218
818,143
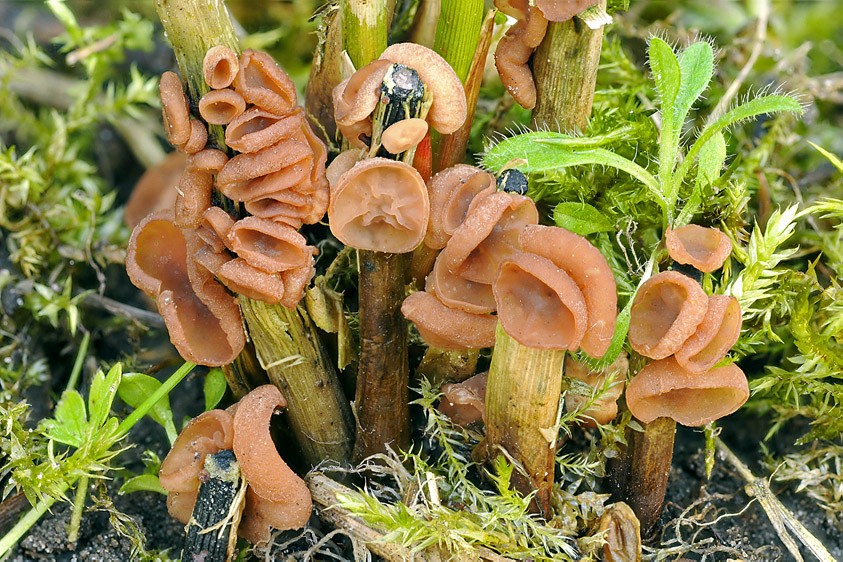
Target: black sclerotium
x,y
688,270
513,181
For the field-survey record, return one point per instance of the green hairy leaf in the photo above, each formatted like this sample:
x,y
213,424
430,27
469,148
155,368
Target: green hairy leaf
x,y
70,422
102,393
581,218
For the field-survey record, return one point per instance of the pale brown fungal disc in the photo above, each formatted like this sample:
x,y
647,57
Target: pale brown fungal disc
x,y
156,189
605,409
197,140
219,107
175,109
295,282
539,305
592,274
343,162
208,433
448,109
704,248
448,328
281,166
715,335
288,206
262,82
268,245
257,129
451,192
356,132
220,66
214,228
514,50
196,185
404,135
203,320
464,402
356,97
488,236
664,389
666,311
563,10
251,282
380,205
459,293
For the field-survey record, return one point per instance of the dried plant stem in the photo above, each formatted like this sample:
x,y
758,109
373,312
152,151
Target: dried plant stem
x,y
364,29
522,409
245,373
565,70
638,476
289,350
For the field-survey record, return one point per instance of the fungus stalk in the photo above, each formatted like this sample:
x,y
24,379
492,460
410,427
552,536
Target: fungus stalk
x,y
322,414
522,409
565,68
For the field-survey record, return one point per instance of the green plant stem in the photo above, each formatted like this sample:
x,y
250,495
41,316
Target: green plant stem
x,y
78,509
565,70
364,29
163,390
522,408
457,33
80,360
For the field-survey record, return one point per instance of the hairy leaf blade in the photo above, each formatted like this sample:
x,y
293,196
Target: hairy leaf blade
x,y
666,73
70,422
143,483
581,218
696,64
102,393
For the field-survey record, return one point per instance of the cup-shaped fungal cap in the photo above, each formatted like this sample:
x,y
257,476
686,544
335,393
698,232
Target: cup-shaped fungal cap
x,y
404,135
180,505
251,282
288,206
511,59
220,66
704,248
174,108
611,381
206,434
457,292
197,140
295,282
343,162
268,245
448,109
220,107
156,189
358,134
203,320
488,236
269,477
664,389
448,328
666,311
195,186
513,8
715,335
356,97
214,227
380,205
451,192
257,129
262,82
283,165
589,270
539,305
465,402
554,10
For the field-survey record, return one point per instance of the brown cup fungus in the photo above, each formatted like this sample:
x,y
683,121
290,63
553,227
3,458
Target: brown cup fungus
x,y
261,82
355,100
220,67
612,379
275,497
220,107
196,185
703,248
514,50
451,192
156,189
714,337
380,205
268,245
664,389
404,135
203,320
175,109
448,328
465,402
666,311
554,10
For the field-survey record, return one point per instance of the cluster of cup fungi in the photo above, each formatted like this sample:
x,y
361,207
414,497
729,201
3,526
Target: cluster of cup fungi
x,y
495,274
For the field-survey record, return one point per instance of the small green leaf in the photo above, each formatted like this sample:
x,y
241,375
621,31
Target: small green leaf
x,y
102,393
666,74
696,64
70,422
143,483
581,218
831,157
137,387
214,388
712,157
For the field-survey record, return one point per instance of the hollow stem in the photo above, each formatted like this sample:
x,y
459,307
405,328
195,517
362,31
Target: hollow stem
x,y
364,29
245,373
289,349
565,71
638,476
522,408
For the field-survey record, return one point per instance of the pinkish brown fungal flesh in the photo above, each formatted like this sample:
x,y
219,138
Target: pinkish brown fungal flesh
x,y
262,82
448,328
220,66
257,129
206,434
203,320
220,107
664,389
156,189
343,162
180,505
197,140
465,402
488,236
175,109
214,228
356,98
457,292
251,282
539,305
589,270
404,135
380,205
295,282
513,54
196,185
715,335
555,10
605,409
357,132
283,165
281,499
451,192
704,248
449,108
666,311
268,245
